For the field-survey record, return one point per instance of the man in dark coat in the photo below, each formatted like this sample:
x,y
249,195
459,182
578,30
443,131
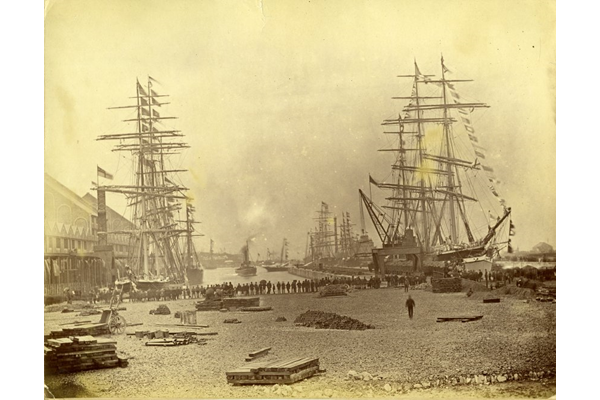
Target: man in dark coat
x,y
410,304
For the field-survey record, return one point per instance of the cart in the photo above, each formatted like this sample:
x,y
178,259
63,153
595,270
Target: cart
x,y
110,316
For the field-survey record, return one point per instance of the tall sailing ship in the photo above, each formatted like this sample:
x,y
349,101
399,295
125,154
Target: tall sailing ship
x,y
441,199
162,239
333,243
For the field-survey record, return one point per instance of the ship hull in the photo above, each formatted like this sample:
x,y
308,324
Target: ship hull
x,y
459,254
246,271
274,269
195,276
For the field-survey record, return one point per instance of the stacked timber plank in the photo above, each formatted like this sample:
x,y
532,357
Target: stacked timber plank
x,y
266,308
92,329
266,373
209,305
233,303
446,285
241,302
80,353
492,300
257,354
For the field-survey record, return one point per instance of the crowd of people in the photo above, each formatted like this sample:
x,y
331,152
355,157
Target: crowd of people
x,y
498,278
262,287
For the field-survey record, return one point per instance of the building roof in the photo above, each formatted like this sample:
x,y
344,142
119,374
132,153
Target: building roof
x,y
68,193
112,214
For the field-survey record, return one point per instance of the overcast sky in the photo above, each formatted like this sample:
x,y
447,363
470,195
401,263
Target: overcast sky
x,y
282,101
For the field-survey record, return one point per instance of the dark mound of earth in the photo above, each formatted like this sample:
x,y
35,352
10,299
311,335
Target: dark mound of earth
x,y
324,320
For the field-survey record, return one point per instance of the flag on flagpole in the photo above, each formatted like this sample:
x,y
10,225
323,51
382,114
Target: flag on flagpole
x,y
373,181
103,173
141,89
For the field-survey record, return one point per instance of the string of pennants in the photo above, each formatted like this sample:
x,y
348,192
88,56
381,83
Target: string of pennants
x,y
478,149
146,103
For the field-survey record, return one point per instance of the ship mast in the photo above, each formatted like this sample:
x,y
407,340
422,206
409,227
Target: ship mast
x,y
151,194
449,155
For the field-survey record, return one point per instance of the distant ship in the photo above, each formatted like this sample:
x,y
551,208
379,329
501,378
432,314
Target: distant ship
x,y
246,269
210,263
283,265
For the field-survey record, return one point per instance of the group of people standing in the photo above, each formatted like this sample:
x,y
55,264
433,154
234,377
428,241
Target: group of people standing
x,y
263,287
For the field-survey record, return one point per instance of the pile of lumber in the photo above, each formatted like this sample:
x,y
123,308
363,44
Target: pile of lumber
x,y
446,285
325,320
334,290
492,300
176,340
463,318
546,294
150,334
281,372
90,329
240,302
209,305
80,353
232,321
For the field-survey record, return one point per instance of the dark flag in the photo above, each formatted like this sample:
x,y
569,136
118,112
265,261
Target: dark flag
x,y
104,174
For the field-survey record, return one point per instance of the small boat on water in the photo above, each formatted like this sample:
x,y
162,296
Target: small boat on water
x,y
246,269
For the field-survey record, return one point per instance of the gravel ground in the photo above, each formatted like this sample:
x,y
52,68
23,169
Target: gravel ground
x,y
513,337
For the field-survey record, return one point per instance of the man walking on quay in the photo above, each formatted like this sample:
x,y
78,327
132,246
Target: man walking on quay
x,y
405,283
410,304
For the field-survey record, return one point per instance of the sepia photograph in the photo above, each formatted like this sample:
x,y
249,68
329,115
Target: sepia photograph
x,y
250,199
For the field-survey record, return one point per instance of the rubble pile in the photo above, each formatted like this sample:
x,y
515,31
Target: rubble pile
x,y
161,310
324,320
446,285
